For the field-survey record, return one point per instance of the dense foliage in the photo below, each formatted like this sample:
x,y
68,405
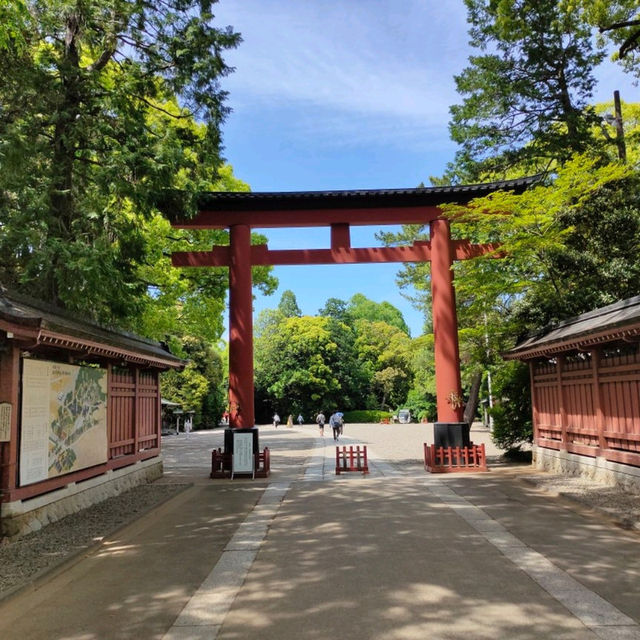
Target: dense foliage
x,y
366,416
344,359
97,110
512,426
571,243
104,106
526,92
199,387
618,21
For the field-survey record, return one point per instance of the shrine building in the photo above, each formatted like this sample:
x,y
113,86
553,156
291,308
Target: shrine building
x,y
80,412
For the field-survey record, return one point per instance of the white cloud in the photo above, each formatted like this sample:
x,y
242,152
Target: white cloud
x,y
388,58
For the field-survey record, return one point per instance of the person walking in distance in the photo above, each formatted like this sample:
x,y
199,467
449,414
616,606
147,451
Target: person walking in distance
x,y
320,420
276,420
335,423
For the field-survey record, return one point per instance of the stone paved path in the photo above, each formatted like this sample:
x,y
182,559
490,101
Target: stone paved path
x,y
399,554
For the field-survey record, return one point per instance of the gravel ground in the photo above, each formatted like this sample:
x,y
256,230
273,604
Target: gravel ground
x,y
23,559
623,507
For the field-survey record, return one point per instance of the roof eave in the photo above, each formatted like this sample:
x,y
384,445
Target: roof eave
x,y
582,342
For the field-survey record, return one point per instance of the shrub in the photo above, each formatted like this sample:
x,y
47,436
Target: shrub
x,y
512,426
422,406
368,415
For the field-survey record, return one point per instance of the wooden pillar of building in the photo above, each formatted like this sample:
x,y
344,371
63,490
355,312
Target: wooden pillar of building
x,y
445,325
534,400
598,399
562,404
241,404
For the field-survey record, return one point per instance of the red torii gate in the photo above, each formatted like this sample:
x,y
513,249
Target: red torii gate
x,y
339,210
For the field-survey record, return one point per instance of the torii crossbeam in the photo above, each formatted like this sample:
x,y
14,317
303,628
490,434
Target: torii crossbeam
x,y
339,210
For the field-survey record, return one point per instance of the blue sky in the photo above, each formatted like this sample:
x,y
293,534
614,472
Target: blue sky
x,y
331,94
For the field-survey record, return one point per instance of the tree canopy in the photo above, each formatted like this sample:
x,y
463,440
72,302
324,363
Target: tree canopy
x,y
618,21
355,355
105,107
568,245
97,116
526,92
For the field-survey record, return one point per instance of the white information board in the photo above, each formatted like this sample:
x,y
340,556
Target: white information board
x,y
5,421
243,461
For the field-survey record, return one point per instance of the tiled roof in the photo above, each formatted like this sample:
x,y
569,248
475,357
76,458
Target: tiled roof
x,y
613,322
55,327
425,196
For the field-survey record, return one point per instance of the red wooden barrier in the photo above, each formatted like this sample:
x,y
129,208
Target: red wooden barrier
x,y
454,459
221,464
263,463
351,459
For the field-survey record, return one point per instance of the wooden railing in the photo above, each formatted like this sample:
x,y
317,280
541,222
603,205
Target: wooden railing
x,y
351,459
454,459
221,463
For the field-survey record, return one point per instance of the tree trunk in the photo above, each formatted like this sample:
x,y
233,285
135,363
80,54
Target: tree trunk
x,y
472,402
62,165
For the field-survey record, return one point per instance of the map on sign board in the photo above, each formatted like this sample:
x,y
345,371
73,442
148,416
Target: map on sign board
x,y
243,453
64,419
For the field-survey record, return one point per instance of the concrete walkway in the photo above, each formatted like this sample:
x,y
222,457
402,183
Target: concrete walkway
x,y
399,554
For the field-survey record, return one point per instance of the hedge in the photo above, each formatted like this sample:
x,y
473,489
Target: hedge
x,y
367,415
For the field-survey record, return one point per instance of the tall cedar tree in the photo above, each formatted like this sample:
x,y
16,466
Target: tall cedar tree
x,y
91,102
525,97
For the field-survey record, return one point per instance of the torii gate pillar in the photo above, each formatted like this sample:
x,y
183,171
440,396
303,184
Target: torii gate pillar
x,y
241,407
340,210
445,325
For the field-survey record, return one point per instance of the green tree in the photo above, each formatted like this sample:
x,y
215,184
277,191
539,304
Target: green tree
x,y
189,301
525,95
288,305
512,426
421,399
535,229
199,386
385,351
618,21
361,308
337,309
13,18
91,132
303,364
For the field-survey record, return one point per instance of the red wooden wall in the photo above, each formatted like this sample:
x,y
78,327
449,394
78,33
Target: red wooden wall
x,y
589,403
133,411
